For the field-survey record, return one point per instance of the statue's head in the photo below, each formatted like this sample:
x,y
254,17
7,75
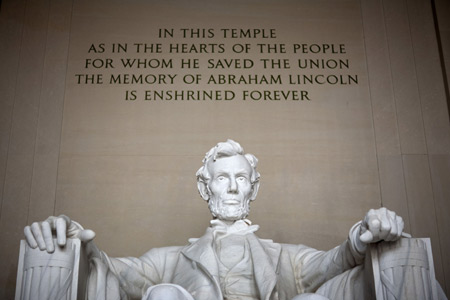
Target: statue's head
x,y
228,180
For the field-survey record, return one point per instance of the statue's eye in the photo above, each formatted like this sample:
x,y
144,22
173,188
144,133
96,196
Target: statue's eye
x,y
241,178
221,178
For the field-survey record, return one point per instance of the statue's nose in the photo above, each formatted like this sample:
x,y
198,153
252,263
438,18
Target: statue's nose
x,y
232,187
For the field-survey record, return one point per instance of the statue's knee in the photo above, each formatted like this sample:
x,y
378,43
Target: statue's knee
x,y
309,296
166,292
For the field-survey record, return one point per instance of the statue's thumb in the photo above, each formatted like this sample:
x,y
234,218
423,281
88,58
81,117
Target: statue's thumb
x,y
366,237
86,235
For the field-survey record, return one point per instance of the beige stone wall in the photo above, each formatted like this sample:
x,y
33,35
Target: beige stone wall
x,y
442,11
442,20
118,168
34,47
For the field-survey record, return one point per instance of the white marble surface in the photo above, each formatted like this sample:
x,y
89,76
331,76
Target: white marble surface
x,y
229,260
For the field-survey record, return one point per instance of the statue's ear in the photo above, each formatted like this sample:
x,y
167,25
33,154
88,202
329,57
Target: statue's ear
x,y
203,190
255,189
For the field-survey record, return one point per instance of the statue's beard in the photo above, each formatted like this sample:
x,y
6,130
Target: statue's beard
x,y
229,212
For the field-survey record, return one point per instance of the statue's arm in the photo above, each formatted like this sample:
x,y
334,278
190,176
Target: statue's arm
x,y
313,267
129,276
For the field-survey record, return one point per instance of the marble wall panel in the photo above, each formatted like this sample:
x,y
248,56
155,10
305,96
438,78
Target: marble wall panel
x,y
11,26
19,166
43,187
131,202
442,13
442,8
319,197
442,23
439,163
404,78
430,81
393,189
380,78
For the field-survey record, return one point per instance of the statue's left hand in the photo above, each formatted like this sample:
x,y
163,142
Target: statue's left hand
x,y
381,224
41,234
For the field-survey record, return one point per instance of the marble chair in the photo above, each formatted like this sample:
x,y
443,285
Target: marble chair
x,y
393,271
59,275
402,270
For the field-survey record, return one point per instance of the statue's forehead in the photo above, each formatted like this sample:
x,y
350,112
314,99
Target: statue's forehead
x,y
235,163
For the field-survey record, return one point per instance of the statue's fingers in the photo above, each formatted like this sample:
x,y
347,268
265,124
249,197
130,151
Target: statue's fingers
x,y
61,231
52,221
46,230
374,227
366,237
406,235
30,237
400,228
37,232
374,224
385,224
393,233
65,218
87,235
365,222
47,236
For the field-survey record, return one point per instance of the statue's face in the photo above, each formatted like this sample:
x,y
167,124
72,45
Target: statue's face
x,y
230,187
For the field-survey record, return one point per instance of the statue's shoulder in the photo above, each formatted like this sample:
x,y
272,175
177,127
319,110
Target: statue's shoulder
x,y
295,248
283,246
268,242
161,252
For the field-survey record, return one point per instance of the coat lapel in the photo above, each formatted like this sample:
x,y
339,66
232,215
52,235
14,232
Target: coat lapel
x,y
202,252
265,257
198,269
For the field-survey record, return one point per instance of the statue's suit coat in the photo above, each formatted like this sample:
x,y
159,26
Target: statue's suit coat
x,y
281,271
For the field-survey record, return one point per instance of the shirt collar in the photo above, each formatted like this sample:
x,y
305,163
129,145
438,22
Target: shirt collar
x,y
240,227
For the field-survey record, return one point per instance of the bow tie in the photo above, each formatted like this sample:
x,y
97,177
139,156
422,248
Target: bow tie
x,y
240,227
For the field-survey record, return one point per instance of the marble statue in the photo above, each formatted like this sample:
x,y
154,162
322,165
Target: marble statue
x,y
229,261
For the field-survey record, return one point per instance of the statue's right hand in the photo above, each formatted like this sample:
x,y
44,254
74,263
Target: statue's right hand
x,y
40,234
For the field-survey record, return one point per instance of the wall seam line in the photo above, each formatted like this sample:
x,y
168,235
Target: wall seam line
x,y
12,111
395,109
38,113
426,140
63,106
371,103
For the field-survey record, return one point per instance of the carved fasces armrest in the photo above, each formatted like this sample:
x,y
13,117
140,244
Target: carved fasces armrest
x,y
401,270
57,275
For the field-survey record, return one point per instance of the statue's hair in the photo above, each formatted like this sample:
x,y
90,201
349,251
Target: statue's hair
x,y
226,149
